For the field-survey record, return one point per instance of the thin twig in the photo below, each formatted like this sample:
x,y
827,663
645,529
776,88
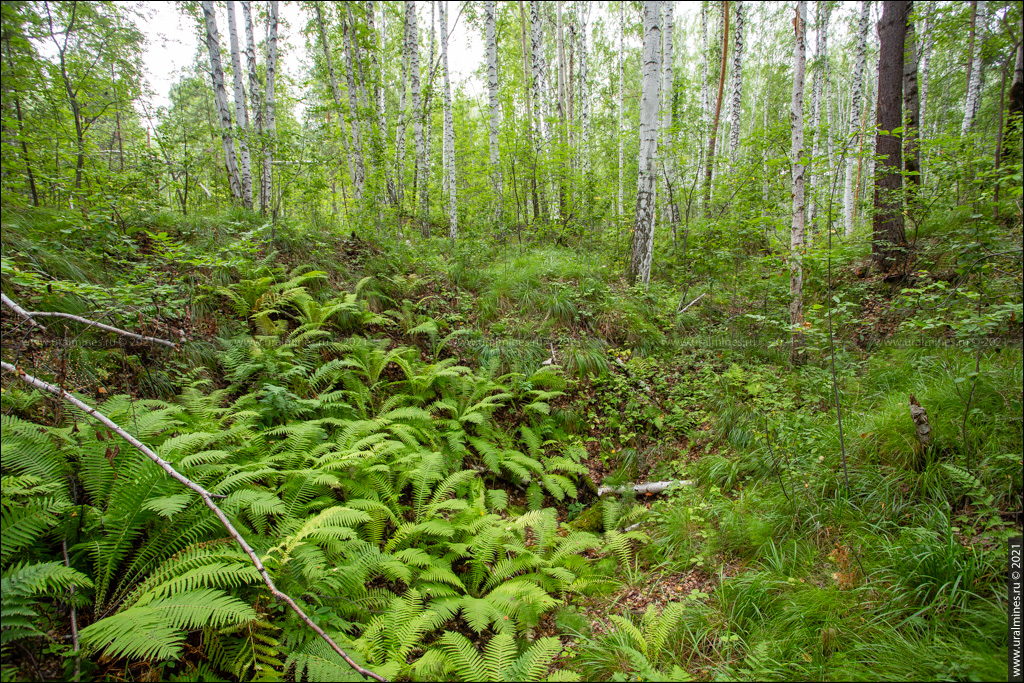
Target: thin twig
x,y
203,493
684,310
74,617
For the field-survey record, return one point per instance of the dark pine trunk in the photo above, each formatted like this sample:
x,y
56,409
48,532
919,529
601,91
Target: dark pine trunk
x,y
889,241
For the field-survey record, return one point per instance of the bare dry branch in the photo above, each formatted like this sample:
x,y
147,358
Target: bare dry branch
x,y
649,488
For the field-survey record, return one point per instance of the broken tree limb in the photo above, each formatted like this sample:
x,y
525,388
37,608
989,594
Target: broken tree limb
x,y
30,316
684,310
206,496
648,488
920,418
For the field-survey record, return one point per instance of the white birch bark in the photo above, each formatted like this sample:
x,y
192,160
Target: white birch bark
x,y
819,110
924,61
335,90
403,115
448,145
220,98
796,243
584,90
737,82
667,170
974,86
255,87
622,50
355,128
379,112
643,226
705,68
422,191
856,102
428,96
241,111
270,114
495,111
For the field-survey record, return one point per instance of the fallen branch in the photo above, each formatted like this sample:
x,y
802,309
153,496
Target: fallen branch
x,y
650,488
203,493
30,316
920,418
684,310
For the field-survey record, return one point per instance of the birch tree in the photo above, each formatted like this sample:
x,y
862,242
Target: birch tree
x,y
911,104
856,100
255,89
355,130
710,165
737,80
536,87
403,113
563,105
818,107
584,89
925,35
420,182
270,114
495,111
448,141
241,111
796,235
973,69
668,165
335,90
888,242
220,98
643,224
619,135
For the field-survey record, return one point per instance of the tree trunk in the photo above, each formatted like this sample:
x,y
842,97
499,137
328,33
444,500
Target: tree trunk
x,y
705,73
584,91
21,127
670,212
1015,108
380,145
737,82
270,115
449,130
255,88
495,112
563,110
619,135
889,242
796,240
241,111
817,107
335,90
355,127
420,182
537,94
924,60
973,70
709,167
643,225
403,114
856,99
220,97
912,112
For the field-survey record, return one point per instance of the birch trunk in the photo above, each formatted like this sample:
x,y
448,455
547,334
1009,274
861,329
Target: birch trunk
x,y
923,62
335,90
974,70
705,69
856,101
379,111
737,82
403,116
667,166
643,225
710,166
911,106
495,112
622,50
355,128
817,108
428,96
420,183
220,97
537,94
563,108
796,236
584,91
888,243
255,87
241,111
449,131
270,115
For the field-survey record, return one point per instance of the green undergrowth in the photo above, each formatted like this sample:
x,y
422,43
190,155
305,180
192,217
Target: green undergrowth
x,y
411,437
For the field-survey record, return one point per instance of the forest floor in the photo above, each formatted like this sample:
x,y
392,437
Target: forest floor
x,y
802,552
